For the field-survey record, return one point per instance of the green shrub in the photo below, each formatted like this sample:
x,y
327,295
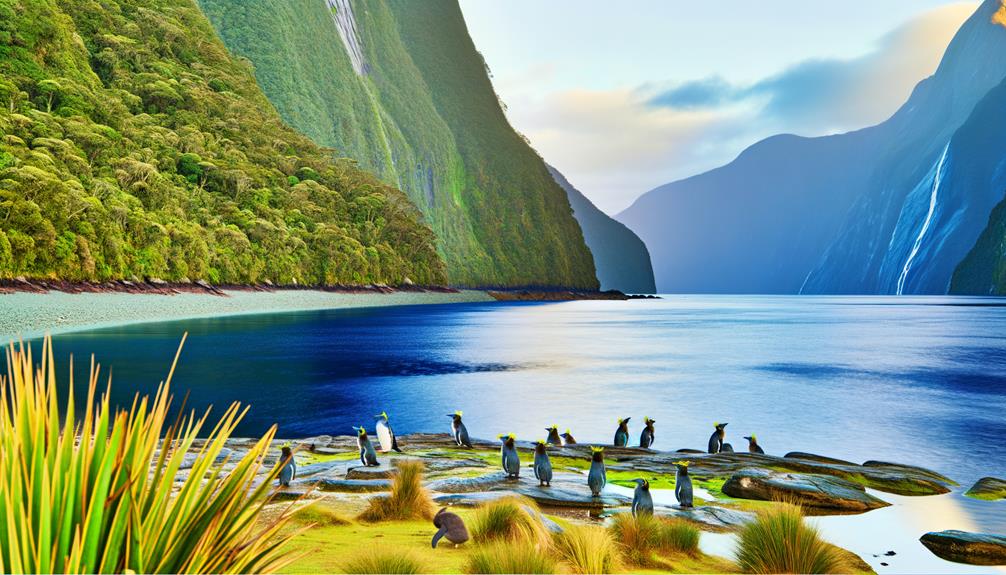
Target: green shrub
x,y
779,541
391,561
588,549
408,499
509,557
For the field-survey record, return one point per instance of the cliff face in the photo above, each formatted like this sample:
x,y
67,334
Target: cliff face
x,y
134,144
400,87
621,258
887,209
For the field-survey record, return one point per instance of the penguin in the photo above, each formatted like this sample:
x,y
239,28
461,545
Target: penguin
x,y
642,502
510,459
597,477
716,439
542,464
646,437
459,431
289,470
622,433
682,484
385,435
368,456
753,446
451,526
568,438
727,448
553,435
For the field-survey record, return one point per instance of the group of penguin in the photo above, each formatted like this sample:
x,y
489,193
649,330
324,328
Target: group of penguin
x,y
452,527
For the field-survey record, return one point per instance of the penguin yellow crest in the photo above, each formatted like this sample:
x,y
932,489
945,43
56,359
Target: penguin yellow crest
x,y
682,463
595,449
511,436
457,413
540,442
716,424
754,437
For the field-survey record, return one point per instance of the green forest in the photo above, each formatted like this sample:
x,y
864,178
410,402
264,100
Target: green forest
x,y
135,145
423,116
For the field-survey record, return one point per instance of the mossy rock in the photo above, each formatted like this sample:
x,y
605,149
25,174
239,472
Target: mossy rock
x,y
822,492
966,547
988,488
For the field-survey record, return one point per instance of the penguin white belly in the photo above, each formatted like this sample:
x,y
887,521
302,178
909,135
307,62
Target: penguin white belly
x,y
384,436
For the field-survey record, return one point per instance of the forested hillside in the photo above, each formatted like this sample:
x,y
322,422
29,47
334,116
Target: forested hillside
x,y
400,87
134,144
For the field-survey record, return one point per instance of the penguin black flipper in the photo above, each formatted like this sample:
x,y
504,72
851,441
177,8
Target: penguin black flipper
x,y
438,536
394,444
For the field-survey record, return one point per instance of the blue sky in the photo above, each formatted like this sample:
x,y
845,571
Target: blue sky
x,y
623,97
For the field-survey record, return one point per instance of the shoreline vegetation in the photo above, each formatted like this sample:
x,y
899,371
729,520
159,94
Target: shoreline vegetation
x,y
32,308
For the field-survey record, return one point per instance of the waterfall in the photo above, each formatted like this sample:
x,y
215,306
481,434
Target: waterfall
x,y
925,225
345,23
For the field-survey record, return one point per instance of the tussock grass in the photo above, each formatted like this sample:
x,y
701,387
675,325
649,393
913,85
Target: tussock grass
x,y
640,538
679,536
408,499
94,490
779,541
588,549
319,515
510,519
510,557
391,561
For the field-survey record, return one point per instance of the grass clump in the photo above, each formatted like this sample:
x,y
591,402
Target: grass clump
x,y
318,515
512,519
588,549
392,561
640,538
779,541
506,557
408,499
679,536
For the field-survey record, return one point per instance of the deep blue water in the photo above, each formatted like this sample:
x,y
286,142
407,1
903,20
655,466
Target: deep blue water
x,y
914,380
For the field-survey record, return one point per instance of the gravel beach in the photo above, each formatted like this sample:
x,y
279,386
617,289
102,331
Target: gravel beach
x,y
30,315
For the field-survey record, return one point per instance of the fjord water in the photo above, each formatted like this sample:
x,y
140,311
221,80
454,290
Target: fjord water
x,y
919,380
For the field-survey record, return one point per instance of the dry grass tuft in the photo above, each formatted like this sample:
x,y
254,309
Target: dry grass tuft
x,y
512,519
510,557
391,561
588,549
779,541
408,499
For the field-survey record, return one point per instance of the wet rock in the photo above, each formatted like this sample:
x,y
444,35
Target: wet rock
x,y
817,458
988,488
909,470
570,497
965,547
822,492
485,482
325,467
472,499
367,473
709,516
343,485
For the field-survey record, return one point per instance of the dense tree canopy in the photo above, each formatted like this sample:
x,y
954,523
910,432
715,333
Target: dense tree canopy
x,y
133,144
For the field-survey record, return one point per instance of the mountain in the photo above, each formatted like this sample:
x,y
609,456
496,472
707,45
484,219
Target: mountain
x,y
860,212
620,257
135,145
399,86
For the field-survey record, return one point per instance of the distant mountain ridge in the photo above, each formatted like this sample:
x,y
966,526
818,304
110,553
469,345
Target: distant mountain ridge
x,y
886,209
620,257
399,86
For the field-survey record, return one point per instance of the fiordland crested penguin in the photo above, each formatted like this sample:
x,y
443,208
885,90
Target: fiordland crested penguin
x,y
567,438
542,464
289,470
450,526
642,501
385,435
716,439
646,437
622,433
597,477
553,435
368,456
753,446
458,430
509,457
682,484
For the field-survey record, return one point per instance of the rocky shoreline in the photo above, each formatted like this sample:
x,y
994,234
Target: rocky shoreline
x,y
730,487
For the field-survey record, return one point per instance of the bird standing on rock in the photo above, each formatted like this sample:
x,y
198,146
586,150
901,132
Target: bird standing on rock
x,y
568,438
682,484
459,431
753,446
368,456
451,526
716,439
385,435
510,459
642,501
597,477
622,433
553,435
542,464
646,437
289,471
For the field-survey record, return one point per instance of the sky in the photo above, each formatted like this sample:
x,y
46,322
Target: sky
x,y
624,97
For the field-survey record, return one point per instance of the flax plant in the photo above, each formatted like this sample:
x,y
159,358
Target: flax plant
x,y
100,491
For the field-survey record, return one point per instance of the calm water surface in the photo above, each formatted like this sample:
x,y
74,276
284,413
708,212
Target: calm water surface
x,y
912,379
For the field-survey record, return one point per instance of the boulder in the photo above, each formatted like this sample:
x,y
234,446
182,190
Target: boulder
x,y
368,473
471,499
821,492
817,458
965,547
709,517
342,485
988,488
559,495
489,481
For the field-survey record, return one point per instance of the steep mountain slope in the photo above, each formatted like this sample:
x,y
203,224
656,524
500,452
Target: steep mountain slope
x,y
620,257
133,144
399,87
838,214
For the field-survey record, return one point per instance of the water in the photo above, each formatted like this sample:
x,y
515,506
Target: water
x,y
919,380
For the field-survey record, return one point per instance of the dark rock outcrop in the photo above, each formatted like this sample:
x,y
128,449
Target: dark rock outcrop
x,y
965,547
988,488
822,492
